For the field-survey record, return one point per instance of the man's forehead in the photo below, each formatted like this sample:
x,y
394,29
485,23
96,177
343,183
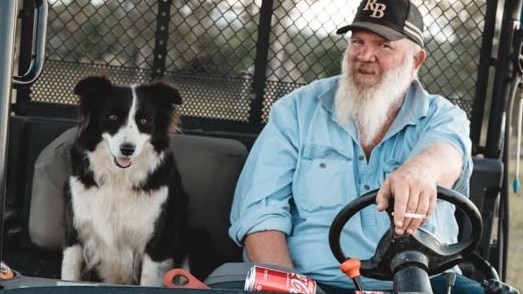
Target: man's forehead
x,y
362,33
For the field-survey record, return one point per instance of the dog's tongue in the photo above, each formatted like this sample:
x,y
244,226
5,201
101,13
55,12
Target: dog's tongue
x,y
123,162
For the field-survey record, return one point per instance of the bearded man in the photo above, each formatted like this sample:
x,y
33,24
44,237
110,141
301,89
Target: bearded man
x,y
327,143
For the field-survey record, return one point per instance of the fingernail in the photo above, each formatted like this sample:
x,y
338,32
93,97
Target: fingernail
x,y
399,231
410,231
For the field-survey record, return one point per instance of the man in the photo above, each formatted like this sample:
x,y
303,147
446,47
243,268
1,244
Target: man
x,y
337,138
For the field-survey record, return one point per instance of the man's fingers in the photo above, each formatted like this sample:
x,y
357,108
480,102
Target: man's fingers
x,y
422,206
414,217
382,197
412,202
401,200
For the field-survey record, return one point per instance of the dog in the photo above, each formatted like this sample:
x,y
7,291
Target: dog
x,y
125,208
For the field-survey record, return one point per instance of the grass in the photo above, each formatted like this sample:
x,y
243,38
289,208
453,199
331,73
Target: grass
x,y
515,244
515,253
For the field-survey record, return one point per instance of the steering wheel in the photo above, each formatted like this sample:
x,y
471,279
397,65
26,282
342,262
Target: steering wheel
x,y
390,252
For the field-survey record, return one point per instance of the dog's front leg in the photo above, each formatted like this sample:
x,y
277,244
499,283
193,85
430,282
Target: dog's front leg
x,y
153,271
72,263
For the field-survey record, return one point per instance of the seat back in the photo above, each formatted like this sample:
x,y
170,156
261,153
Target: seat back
x,y
27,137
485,188
209,167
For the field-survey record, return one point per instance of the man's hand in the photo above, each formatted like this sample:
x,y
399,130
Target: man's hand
x,y
414,185
414,191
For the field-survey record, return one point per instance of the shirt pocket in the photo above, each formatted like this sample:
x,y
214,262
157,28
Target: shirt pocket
x,y
388,167
323,179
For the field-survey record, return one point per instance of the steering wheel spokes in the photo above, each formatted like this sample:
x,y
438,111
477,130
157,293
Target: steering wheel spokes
x,y
421,249
396,251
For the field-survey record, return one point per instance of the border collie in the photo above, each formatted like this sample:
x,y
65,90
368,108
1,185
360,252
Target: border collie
x,y
125,208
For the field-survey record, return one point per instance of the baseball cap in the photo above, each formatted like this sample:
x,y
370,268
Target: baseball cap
x,y
391,19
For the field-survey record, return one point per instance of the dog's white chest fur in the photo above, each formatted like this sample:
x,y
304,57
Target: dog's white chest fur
x,y
115,223
114,211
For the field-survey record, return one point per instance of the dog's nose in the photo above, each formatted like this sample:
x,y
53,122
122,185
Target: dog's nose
x,y
127,149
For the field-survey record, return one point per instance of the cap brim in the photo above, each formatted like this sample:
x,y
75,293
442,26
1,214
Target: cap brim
x,y
383,31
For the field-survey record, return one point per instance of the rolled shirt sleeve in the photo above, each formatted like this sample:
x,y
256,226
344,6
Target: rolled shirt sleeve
x,y
262,196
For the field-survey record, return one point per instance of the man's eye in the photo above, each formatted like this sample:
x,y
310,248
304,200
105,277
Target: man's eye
x,y
355,42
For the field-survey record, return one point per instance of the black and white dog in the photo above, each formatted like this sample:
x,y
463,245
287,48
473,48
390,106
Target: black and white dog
x,y
125,208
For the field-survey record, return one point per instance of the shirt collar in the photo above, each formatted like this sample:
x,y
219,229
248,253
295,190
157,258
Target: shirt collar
x,y
414,107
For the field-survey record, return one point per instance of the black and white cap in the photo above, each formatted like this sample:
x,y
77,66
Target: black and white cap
x,y
391,19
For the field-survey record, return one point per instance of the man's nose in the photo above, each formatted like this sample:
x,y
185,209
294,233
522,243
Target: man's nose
x,y
366,53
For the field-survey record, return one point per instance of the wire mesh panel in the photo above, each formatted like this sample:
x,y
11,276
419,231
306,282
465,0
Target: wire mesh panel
x,y
303,45
95,37
214,50
210,56
453,32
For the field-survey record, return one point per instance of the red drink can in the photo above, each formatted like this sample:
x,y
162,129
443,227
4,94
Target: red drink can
x,y
271,280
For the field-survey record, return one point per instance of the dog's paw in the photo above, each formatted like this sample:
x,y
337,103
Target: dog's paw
x,y
153,271
72,263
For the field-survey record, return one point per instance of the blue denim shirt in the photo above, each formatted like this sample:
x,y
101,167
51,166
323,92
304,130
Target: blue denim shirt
x,y
304,167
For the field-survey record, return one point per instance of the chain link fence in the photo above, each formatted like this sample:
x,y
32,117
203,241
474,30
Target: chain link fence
x,y
231,59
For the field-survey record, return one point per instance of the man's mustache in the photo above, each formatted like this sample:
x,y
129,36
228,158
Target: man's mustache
x,y
364,68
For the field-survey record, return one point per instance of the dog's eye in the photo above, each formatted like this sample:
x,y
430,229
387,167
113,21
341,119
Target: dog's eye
x,y
142,121
113,117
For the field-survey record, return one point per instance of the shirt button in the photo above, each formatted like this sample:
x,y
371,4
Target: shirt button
x,y
366,187
323,165
361,157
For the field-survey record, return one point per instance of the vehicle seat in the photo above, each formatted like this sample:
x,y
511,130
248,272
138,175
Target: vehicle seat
x,y
485,188
209,167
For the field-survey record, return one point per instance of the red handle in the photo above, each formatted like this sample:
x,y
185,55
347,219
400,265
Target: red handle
x,y
192,281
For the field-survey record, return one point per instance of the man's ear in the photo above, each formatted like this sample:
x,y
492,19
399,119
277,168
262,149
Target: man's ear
x,y
419,58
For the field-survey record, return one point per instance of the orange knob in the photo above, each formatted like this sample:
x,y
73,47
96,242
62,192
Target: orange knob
x,y
351,267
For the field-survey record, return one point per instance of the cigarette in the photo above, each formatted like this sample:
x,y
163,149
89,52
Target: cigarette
x,y
414,215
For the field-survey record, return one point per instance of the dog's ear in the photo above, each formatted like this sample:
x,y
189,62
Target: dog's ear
x,y
162,89
166,97
90,90
92,85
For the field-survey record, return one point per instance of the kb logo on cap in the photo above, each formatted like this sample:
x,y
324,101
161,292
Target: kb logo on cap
x,y
378,9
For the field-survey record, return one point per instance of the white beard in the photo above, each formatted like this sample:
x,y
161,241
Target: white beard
x,y
371,107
